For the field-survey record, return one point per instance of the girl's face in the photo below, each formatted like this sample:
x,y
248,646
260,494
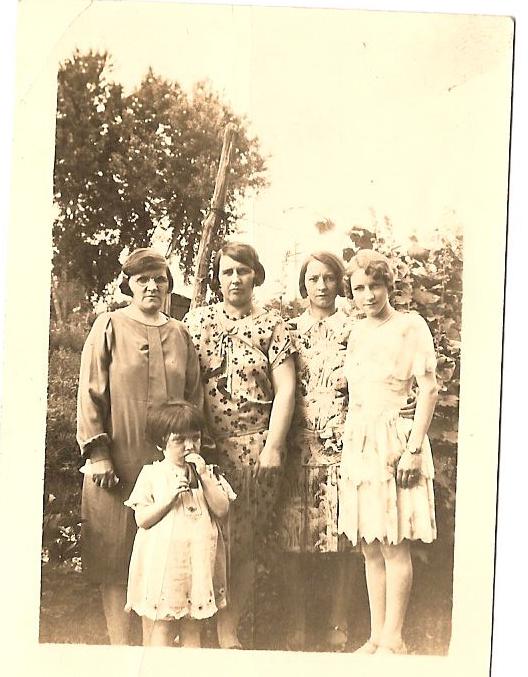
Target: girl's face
x,y
236,281
370,295
149,289
321,285
180,444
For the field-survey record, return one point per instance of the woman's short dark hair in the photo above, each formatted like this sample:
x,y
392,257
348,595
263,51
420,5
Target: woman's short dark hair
x,y
332,261
374,264
243,253
175,417
140,261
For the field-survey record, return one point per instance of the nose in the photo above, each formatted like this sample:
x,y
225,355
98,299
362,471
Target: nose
x,y
236,277
369,293
151,284
321,283
189,443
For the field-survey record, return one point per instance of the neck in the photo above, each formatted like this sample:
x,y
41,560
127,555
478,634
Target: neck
x,y
321,313
237,311
385,313
139,314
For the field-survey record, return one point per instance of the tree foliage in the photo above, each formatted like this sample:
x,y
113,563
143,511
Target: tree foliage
x,y
128,163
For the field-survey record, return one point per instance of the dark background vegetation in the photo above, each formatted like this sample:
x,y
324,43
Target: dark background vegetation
x,y
125,163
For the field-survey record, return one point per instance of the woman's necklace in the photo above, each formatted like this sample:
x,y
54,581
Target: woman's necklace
x,y
375,324
234,318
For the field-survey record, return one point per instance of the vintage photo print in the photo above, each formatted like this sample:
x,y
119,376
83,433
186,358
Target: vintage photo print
x,y
259,256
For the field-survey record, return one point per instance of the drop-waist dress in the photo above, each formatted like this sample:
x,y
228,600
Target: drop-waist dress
x,y
237,357
126,367
381,364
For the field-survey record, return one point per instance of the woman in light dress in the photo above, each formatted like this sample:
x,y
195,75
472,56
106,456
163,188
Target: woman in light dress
x,y
386,495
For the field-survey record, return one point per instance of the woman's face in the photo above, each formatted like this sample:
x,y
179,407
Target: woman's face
x,y
236,281
370,295
149,289
321,285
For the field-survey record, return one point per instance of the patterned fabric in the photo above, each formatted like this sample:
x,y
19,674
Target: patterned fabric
x,y
177,567
126,366
236,360
309,505
381,364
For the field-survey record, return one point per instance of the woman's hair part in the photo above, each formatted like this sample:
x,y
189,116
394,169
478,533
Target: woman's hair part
x,y
140,261
332,261
243,253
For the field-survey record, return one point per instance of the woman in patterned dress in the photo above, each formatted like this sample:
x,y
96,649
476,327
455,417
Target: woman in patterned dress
x,y
134,358
308,519
386,497
245,356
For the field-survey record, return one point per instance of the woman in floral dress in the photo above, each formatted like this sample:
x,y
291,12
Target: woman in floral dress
x,y
245,355
308,519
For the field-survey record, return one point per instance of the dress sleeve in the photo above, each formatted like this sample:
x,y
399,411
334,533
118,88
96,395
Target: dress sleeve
x,y
193,322
424,358
93,397
281,345
215,472
193,381
142,494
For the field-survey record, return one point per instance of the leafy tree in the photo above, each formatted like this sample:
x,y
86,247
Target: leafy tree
x,y
125,165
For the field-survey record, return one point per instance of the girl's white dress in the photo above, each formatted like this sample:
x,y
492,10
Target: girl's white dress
x,y
380,366
178,565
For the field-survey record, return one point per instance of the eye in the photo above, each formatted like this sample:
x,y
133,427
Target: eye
x,y
161,279
329,278
142,279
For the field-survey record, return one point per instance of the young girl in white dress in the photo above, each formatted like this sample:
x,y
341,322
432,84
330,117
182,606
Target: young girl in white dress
x,y
177,570
386,487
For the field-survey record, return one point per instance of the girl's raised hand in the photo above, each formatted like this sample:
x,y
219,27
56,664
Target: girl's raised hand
x,y
198,461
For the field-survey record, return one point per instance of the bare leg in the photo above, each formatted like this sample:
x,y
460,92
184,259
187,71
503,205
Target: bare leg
x,y
338,619
241,587
399,575
294,579
190,630
376,587
117,619
158,633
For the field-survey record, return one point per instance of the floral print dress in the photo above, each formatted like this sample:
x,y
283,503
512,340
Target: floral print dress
x,y
381,365
236,358
309,500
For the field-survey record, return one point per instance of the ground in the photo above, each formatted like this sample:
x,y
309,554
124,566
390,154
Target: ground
x,y
71,610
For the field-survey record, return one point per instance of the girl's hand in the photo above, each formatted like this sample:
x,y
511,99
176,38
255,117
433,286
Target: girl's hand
x,y
408,473
181,488
103,473
198,461
270,457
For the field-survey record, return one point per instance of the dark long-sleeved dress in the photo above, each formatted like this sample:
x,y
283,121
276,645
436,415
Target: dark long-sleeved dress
x,y
126,367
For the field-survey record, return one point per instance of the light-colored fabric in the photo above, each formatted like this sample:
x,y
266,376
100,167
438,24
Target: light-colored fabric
x,y
177,567
381,365
126,367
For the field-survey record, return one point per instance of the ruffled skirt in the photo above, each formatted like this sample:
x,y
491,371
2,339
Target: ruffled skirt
x,y
371,505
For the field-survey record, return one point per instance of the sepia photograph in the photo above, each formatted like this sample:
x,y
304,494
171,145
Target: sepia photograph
x,y
268,250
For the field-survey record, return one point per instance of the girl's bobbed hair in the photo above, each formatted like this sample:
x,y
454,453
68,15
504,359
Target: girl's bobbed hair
x,y
243,253
175,417
140,261
374,264
332,261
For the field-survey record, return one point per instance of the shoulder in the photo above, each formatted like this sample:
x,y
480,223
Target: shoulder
x,y
415,322
201,315
270,317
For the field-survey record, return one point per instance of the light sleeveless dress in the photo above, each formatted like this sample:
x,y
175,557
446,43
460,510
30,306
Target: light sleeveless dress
x,y
381,364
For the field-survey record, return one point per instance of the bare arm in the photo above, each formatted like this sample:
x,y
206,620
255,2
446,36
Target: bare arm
x,y
283,381
149,515
215,495
410,463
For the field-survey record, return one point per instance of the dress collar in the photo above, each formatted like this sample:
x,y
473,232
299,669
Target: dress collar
x,y
306,321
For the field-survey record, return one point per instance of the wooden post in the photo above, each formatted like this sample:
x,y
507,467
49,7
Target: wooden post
x,y
213,219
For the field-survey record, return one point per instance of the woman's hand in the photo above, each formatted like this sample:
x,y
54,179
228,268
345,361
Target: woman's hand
x,y
408,473
270,457
198,461
103,473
